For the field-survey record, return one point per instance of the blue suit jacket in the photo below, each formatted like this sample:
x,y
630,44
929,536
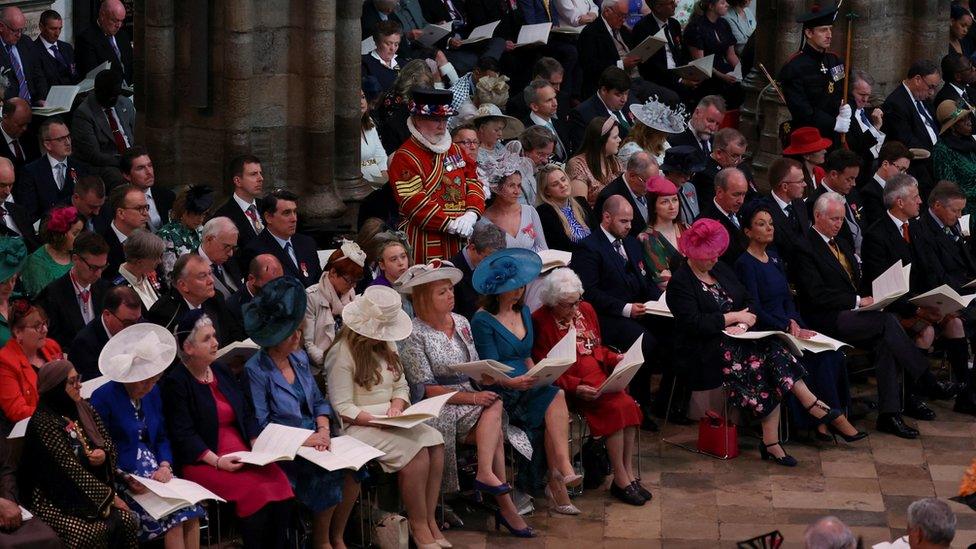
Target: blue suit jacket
x,y
609,282
38,191
304,248
112,403
86,346
534,12
274,399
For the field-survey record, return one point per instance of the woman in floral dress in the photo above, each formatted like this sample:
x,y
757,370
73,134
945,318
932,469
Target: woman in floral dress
x,y
182,233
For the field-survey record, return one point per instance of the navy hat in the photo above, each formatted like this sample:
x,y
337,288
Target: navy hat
x,y
276,312
431,102
684,159
818,16
199,198
371,88
506,270
185,326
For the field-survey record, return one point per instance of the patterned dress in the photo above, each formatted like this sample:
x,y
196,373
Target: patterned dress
x,y
659,253
757,373
179,240
427,356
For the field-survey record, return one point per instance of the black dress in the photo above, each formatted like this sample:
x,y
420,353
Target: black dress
x,y
715,38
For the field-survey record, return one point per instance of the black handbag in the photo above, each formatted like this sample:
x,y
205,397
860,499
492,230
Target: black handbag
x,y
596,462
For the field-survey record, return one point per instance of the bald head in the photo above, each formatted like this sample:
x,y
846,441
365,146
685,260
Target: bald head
x,y
829,533
617,216
7,178
16,116
263,269
111,15
14,24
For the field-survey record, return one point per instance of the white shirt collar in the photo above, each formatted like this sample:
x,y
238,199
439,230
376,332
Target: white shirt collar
x,y
47,45
190,305
131,278
898,222
911,96
242,204
604,103
936,218
720,209
122,238
6,136
880,180
609,236
54,162
959,90
104,327
825,238
281,242
391,65
779,201
203,255
538,119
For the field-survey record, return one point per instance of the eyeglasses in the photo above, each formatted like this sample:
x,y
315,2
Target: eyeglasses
x,y
229,247
62,139
75,380
468,142
89,265
350,280
733,157
795,182
39,326
571,304
140,209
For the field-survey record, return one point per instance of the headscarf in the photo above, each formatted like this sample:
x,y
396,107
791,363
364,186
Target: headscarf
x,y
50,386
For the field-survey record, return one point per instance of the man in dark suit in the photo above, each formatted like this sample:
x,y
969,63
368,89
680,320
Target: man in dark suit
x,y
217,246
241,208
485,240
106,41
730,193
130,211
704,122
548,69
786,206
540,96
14,220
609,100
58,55
19,145
88,199
957,70
842,167
728,151
137,170
454,13
122,308
75,299
893,159
632,185
909,117
828,281
50,180
864,136
22,59
103,127
610,264
193,288
604,43
657,69
296,252
263,269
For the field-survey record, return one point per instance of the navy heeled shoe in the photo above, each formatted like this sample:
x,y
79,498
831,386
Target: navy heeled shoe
x,y
500,521
499,490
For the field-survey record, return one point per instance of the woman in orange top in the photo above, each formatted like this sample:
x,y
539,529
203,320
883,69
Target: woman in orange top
x,y
26,351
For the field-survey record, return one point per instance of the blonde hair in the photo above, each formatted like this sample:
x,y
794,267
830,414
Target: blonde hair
x,y
368,355
647,138
541,182
422,298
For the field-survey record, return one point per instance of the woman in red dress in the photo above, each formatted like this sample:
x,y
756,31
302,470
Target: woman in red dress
x,y
615,416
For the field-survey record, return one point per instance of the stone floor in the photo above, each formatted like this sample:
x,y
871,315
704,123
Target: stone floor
x,y
702,502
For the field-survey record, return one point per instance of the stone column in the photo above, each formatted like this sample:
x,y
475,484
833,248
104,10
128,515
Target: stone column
x,y
348,173
238,68
156,85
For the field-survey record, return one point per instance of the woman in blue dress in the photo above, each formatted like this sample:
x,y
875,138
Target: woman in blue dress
x,y
502,331
284,392
132,409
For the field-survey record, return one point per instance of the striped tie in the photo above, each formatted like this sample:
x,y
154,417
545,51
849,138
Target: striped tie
x,y
19,71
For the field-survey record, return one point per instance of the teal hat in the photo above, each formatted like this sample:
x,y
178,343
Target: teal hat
x,y
506,270
13,254
276,312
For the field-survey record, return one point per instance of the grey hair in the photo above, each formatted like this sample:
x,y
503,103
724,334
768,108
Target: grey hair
x,y
531,93
934,518
218,226
716,101
607,4
142,244
829,533
862,76
724,177
560,284
639,162
624,153
487,236
898,187
825,200
201,323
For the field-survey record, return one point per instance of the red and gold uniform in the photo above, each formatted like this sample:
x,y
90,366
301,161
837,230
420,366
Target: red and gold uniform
x,y
430,190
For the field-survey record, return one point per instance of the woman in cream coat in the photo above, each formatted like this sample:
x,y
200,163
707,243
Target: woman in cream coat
x,y
335,290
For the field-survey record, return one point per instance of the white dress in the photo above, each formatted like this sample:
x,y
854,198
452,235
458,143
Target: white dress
x,y
373,158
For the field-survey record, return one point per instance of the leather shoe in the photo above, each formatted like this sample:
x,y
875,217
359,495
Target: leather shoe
x,y
916,409
965,403
644,492
944,390
894,425
628,495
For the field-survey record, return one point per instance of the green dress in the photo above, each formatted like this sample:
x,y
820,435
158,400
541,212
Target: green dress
x,y
954,159
179,239
40,269
659,254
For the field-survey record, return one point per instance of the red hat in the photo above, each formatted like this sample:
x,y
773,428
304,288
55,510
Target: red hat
x,y
706,239
661,186
806,140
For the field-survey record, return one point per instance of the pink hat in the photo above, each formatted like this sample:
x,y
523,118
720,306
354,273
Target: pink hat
x,y
705,239
661,186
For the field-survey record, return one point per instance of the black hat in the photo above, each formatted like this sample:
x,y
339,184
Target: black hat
x,y
818,16
431,102
371,88
199,198
683,158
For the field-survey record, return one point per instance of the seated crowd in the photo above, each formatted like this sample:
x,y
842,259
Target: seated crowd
x,y
521,195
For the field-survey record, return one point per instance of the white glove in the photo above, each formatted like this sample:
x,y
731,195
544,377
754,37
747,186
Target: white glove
x,y
843,123
451,226
465,223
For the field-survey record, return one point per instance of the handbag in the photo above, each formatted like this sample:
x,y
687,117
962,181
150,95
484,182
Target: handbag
x,y
391,532
596,462
717,436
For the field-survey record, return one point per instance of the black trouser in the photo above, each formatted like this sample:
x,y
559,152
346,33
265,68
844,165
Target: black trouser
x,y
266,528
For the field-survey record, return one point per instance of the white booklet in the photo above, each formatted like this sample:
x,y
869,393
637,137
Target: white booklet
x,y
369,44
432,34
19,429
816,344
275,443
737,72
533,34
491,368
164,498
344,452
659,307
88,84
889,286
698,69
238,350
568,30
558,360
88,387
482,32
964,225
58,101
943,298
420,412
651,45
624,371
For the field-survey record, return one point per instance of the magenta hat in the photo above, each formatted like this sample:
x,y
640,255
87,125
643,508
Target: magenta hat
x,y
661,186
705,239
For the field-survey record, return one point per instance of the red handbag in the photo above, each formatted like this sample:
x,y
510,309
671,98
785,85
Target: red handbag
x,y
717,436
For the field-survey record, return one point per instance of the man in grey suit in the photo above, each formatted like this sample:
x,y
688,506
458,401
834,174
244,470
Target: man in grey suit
x,y
104,127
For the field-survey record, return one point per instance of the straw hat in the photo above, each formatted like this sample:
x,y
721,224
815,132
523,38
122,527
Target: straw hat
x,y
137,353
948,113
436,269
378,314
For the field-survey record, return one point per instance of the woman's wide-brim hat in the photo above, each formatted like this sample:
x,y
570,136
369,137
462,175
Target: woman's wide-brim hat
x,y
705,240
431,102
806,140
433,271
658,116
948,113
378,314
13,254
489,111
506,270
137,353
276,311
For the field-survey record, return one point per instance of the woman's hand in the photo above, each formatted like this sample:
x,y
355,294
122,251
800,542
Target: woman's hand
x,y
727,77
10,517
484,398
119,504
396,408
163,474
229,463
509,45
586,392
319,440
930,314
521,383
793,328
363,419
96,457
736,329
135,486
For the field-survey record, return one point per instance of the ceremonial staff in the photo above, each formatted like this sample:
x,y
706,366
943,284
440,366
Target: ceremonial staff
x,y
851,16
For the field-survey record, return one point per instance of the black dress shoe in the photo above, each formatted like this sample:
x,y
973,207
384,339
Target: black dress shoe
x,y
628,495
916,409
965,403
644,492
894,425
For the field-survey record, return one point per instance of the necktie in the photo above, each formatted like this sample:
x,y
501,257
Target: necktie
x,y
619,246
252,213
59,175
735,220
545,4
18,151
791,217
865,119
789,212
218,273
951,233
933,130
57,55
116,131
115,48
291,253
24,92
84,296
621,120
154,220
841,258
706,146
905,234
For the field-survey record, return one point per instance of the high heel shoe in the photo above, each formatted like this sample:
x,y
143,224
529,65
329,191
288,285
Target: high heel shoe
x,y
571,481
500,521
847,438
786,461
568,509
499,490
443,543
419,545
830,413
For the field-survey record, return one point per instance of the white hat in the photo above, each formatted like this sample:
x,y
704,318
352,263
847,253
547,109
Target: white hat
x,y
513,126
137,353
553,259
378,314
436,269
658,116
351,251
